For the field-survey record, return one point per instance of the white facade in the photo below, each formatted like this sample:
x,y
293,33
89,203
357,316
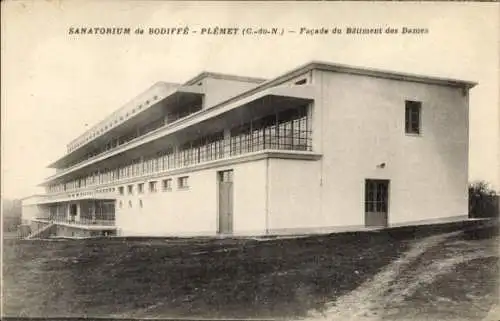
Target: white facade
x,y
354,125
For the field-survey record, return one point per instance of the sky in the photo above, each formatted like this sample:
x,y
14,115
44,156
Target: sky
x,y
54,84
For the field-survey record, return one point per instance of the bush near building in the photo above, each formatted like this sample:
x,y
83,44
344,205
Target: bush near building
x,y
483,200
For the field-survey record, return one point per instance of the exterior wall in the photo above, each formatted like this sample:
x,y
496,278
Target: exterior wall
x,y
307,77
69,231
294,190
219,90
250,198
194,211
359,123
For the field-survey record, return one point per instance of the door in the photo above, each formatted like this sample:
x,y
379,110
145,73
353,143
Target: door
x,y
376,202
225,182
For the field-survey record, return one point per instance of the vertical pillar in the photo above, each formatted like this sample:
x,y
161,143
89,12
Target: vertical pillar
x,y
227,143
78,211
67,211
176,156
94,205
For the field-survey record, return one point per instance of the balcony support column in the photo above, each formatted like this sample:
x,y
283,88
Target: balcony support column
x,y
227,142
78,211
92,209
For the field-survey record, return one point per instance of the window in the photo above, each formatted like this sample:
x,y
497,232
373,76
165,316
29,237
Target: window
x,y
153,186
140,188
130,189
129,203
412,117
121,190
121,204
140,203
182,182
301,82
167,184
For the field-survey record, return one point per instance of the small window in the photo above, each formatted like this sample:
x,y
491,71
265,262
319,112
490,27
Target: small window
x,y
182,182
153,186
130,189
301,82
412,117
167,184
140,188
140,203
129,203
121,190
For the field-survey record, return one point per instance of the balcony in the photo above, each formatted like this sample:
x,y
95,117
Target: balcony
x,y
249,105
286,130
164,104
81,222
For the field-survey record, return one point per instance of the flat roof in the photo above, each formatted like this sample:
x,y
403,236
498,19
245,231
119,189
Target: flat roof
x,y
217,75
387,74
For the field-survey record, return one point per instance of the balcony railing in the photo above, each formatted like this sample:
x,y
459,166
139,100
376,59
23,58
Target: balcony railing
x,y
121,141
288,130
81,221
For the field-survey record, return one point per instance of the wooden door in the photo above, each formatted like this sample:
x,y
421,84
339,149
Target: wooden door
x,y
225,182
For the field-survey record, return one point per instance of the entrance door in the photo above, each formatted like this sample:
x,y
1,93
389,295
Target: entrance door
x,y
225,182
376,202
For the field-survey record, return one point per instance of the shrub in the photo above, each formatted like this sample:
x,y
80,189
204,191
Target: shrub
x,y
483,200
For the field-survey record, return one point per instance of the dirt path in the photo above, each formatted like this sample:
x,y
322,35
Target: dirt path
x,y
399,280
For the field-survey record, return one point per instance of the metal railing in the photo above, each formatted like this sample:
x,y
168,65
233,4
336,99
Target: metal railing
x,y
81,221
123,140
288,130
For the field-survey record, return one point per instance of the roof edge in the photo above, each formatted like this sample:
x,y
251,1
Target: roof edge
x,y
395,75
217,75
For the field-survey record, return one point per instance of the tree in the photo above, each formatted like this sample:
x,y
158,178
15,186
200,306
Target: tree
x,y
483,200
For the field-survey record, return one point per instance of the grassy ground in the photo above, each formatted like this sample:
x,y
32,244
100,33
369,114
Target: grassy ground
x,y
395,274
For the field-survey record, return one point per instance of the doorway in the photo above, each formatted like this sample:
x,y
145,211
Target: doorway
x,y
225,187
376,202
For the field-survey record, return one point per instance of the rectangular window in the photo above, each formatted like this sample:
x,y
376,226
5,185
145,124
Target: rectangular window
x,y
140,188
167,184
130,189
301,82
412,117
153,186
121,190
182,182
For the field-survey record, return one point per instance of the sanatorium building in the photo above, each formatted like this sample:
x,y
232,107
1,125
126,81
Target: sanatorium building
x,y
320,148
